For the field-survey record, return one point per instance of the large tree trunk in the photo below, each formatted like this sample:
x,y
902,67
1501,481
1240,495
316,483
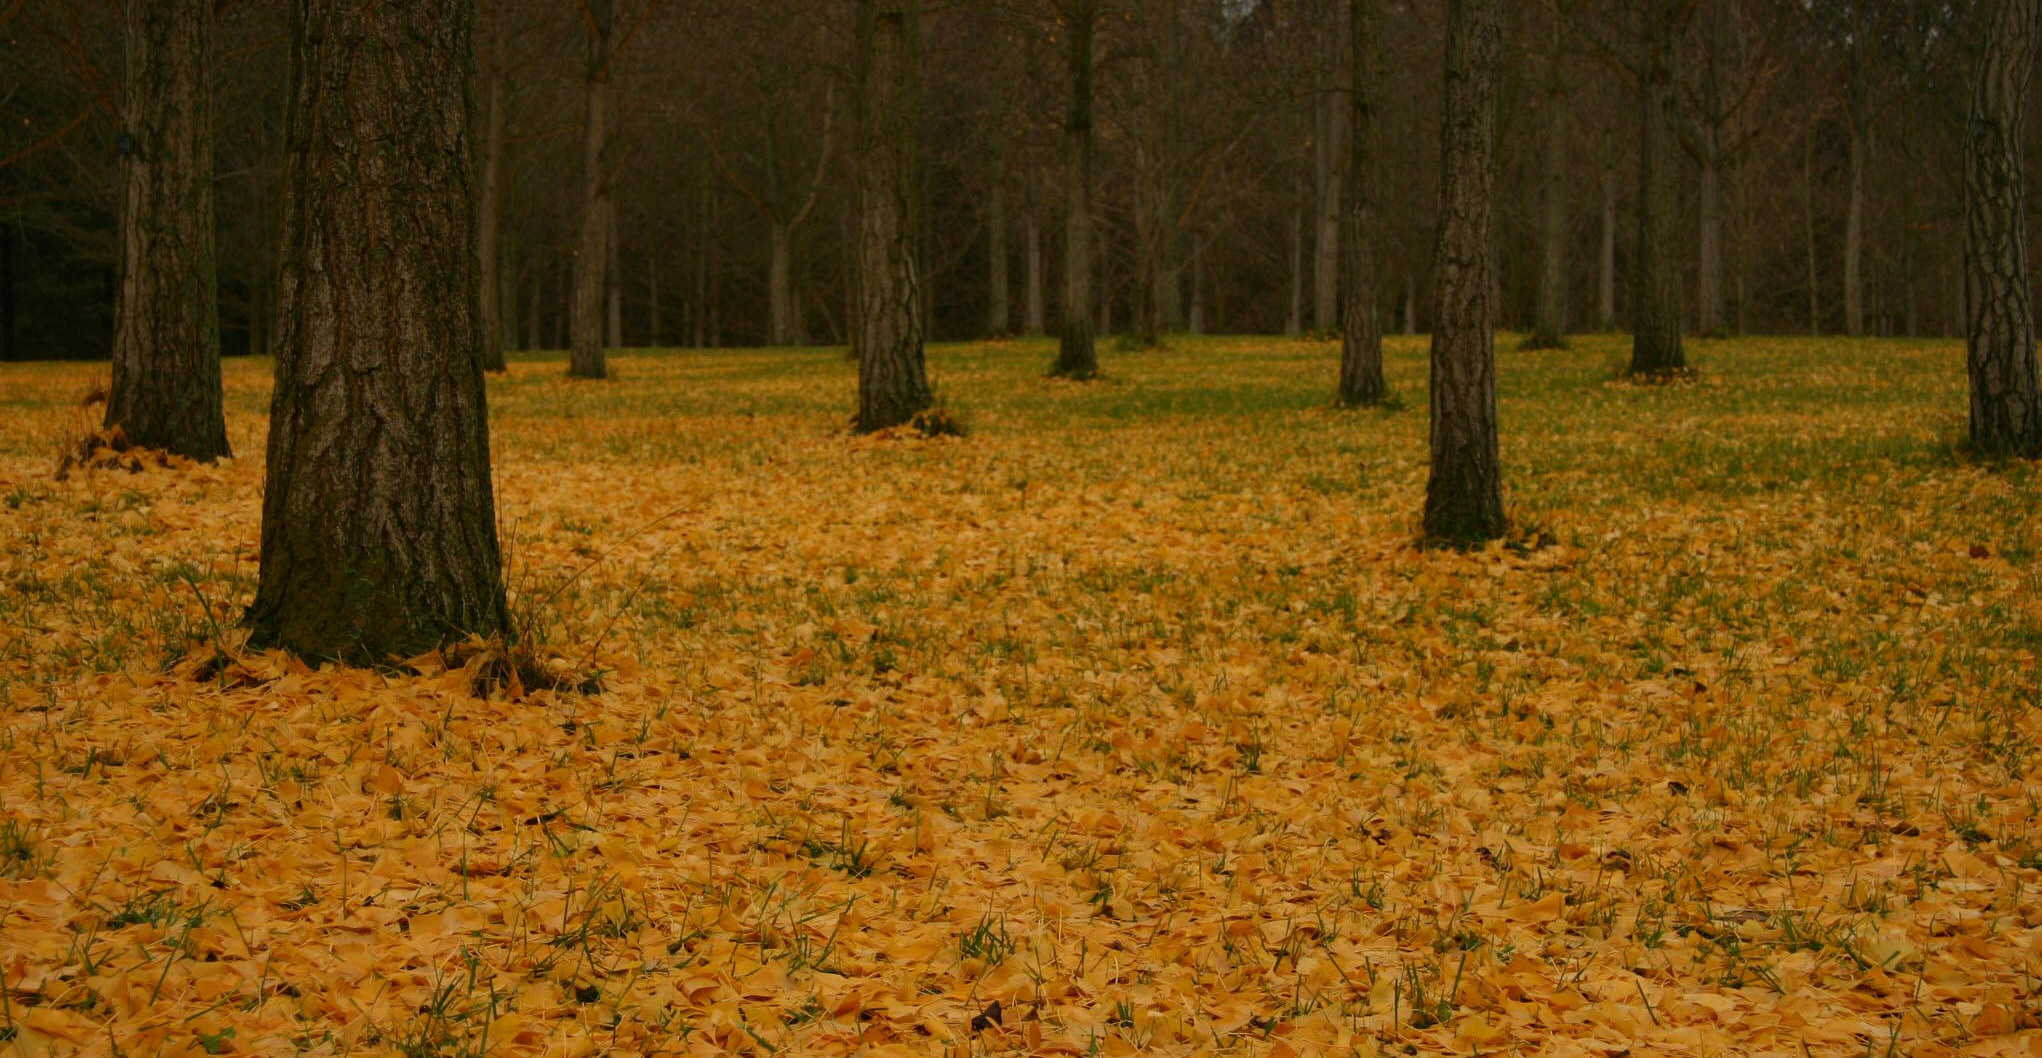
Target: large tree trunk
x,y
999,317
1999,317
892,386
1464,496
1076,357
1606,280
166,351
490,206
1549,312
1655,291
585,358
378,519
1361,339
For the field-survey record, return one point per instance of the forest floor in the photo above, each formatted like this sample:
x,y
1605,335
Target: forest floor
x,y
1135,721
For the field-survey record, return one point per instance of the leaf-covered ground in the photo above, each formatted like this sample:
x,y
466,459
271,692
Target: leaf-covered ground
x,y
1133,722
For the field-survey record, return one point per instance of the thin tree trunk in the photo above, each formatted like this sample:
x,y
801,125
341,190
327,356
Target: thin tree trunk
x,y
1361,339
489,207
1549,313
1999,315
613,281
652,322
1033,236
1076,355
1464,495
1854,214
1329,172
166,352
9,308
1410,305
535,301
1294,324
1195,318
1709,249
1655,294
780,315
999,317
1606,285
892,385
1808,229
586,358
378,517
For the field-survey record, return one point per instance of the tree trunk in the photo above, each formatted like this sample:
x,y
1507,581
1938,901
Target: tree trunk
x,y
585,359
166,351
378,518
1464,496
892,385
1329,172
999,317
489,208
9,311
1361,339
1033,236
1549,312
1076,357
1195,316
1606,285
780,316
1999,316
1854,234
1294,323
1709,248
1808,229
613,281
652,322
1655,289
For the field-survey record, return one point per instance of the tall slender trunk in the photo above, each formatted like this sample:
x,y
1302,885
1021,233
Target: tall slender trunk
x,y
999,317
780,316
1606,282
1033,237
9,307
1655,295
1076,355
892,385
166,352
1808,229
1294,323
613,281
1361,339
1999,314
652,321
1464,494
1195,317
1854,232
1329,171
1709,249
535,300
586,358
704,233
1549,312
489,205
378,516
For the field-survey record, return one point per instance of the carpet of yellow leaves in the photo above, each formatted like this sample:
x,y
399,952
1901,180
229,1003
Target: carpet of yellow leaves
x,y
1134,722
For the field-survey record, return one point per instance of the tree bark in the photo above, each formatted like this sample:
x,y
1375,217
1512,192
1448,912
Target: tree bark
x,y
490,204
780,316
1549,312
166,353
1294,323
892,384
1361,339
586,356
1655,291
1076,356
1606,285
1032,235
613,281
1464,496
1859,124
1808,228
1330,114
1999,315
378,518
999,317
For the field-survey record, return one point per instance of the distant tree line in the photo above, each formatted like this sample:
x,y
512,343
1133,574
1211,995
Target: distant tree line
x,y
677,172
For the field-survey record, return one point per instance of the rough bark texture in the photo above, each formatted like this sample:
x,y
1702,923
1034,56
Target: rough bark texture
x,y
1655,291
1999,316
378,518
1361,339
1076,356
892,384
166,352
1709,250
1549,312
585,358
489,207
1464,497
